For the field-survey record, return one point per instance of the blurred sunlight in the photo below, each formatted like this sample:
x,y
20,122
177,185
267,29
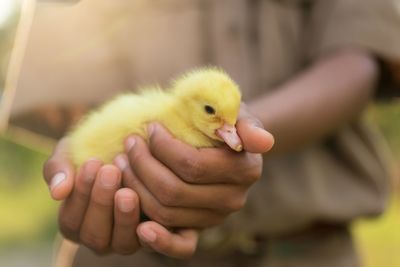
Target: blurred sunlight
x,y
7,8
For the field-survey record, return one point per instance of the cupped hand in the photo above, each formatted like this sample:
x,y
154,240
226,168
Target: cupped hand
x,y
97,213
181,186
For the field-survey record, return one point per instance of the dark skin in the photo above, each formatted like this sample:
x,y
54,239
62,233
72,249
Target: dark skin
x,y
333,91
178,186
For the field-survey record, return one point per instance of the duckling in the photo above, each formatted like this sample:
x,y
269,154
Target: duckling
x,y
200,108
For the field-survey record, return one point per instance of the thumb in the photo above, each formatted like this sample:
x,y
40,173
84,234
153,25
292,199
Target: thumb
x,y
58,172
255,138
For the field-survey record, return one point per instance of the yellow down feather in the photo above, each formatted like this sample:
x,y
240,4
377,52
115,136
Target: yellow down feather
x,y
182,109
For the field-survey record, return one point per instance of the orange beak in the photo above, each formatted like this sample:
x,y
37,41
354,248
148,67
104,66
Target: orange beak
x,y
229,135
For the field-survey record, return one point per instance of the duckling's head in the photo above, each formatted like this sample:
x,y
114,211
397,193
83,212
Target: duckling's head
x,y
210,101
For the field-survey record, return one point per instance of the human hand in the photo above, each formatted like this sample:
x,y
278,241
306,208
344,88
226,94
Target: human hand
x,y
97,213
181,186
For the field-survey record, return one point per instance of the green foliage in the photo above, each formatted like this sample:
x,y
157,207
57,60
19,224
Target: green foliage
x,y
387,116
379,240
27,213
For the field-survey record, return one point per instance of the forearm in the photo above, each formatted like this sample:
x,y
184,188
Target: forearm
x,y
327,95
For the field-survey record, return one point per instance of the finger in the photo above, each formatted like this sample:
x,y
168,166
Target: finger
x,y
181,244
96,228
252,133
203,166
171,191
74,207
168,216
126,220
58,172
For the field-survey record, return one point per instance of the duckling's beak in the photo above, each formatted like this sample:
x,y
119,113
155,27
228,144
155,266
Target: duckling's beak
x,y
229,135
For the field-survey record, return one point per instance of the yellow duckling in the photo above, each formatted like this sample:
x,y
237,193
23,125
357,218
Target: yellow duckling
x,y
200,108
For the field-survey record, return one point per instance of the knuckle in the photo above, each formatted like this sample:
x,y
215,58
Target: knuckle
x,y
135,156
94,242
101,197
256,122
82,194
192,169
236,204
156,142
68,225
102,201
253,173
165,217
170,195
89,171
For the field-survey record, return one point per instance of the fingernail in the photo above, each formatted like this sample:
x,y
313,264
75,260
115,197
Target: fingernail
x,y
125,204
130,142
121,162
107,179
148,235
57,180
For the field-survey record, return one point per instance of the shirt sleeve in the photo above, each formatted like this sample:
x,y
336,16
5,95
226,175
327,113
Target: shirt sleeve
x,y
373,25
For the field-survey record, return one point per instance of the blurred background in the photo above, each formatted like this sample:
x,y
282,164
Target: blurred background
x,y
28,219
28,215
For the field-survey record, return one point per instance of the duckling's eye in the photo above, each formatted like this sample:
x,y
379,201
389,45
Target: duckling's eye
x,y
209,109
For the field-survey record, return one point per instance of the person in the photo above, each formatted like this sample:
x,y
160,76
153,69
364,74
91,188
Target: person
x,y
307,68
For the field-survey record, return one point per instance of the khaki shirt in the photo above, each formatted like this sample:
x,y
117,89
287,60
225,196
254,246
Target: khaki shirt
x,y
92,50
